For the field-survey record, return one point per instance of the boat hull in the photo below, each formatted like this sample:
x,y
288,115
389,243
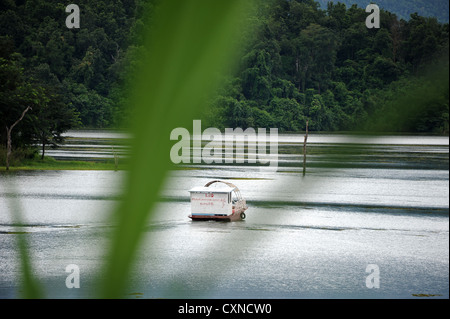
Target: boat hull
x,y
235,216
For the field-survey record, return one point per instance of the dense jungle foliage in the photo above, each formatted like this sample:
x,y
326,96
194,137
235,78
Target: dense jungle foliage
x,y
298,62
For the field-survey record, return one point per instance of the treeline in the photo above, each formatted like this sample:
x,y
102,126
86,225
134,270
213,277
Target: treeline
x,y
328,67
302,63
69,77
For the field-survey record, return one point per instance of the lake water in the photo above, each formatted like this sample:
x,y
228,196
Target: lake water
x,y
384,203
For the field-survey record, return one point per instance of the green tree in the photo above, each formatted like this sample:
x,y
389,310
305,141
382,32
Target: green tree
x,y
287,114
15,96
315,57
50,119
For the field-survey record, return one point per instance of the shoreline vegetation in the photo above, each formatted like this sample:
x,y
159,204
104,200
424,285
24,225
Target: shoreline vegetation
x,y
299,63
49,163
30,159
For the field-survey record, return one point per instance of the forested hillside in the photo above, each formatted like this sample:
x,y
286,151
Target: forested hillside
x,y
328,67
84,66
302,62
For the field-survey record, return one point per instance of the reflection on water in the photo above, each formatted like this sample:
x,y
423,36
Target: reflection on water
x,y
366,139
304,237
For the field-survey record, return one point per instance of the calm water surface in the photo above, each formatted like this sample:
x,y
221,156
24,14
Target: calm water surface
x,y
304,237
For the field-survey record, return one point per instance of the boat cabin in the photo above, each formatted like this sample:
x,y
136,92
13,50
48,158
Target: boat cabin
x,y
221,201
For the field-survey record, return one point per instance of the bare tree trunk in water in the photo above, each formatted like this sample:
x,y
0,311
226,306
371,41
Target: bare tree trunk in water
x,y
43,148
304,148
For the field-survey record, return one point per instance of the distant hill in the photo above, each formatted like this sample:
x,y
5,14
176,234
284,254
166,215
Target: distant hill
x,y
404,8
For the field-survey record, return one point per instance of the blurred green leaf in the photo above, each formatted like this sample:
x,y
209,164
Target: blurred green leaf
x,y
192,42
31,289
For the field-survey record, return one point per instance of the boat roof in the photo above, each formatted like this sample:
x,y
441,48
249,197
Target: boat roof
x,y
217,189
